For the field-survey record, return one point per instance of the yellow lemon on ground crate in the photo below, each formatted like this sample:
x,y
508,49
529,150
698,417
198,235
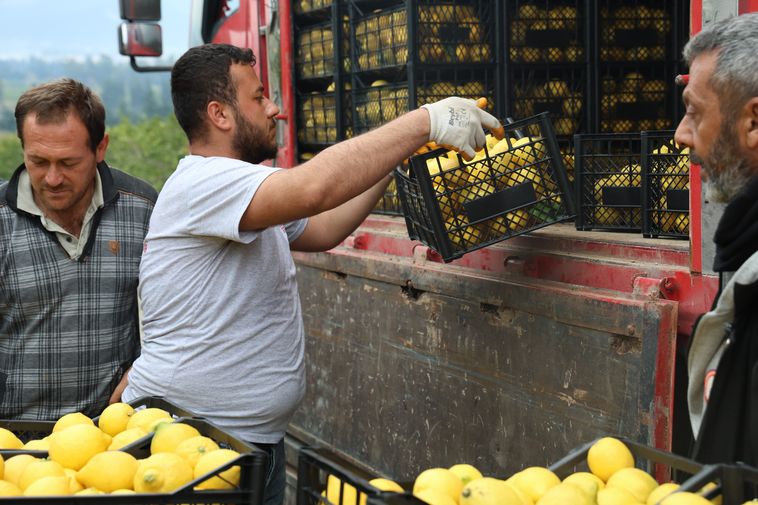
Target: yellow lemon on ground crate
x,y
114,418
566,494
40,444
534,481
525,499
209,462
126,437
192,448
440,479
607,456
717,499
432,497
581,478
660,492
144,418
489,491
8,440
48,486
684,498
108,471
337,492
466,472
9,489
89,491
73,483
615,496
38,469
638,482
75,445
124,491
15,466
162,473
386,485
71,419
168,436
2,467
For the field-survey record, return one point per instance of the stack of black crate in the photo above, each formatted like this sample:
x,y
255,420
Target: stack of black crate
x,y
321,69
405,53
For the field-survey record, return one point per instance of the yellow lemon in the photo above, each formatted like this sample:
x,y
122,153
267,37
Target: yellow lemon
x,y
661,491
8,440
38,469
718,499
71,419
162,473
209,462
566,494
40,444
615,496
48,486
2,466
684,498
581,478
638,482
114,418
488,491
158,422
15,466
607,456
431,497
124,491
75,445
108,471
440,479
525,499
386,485
89,491
146,417
337,492
73,483
9,489
168,436
126,437
192,448
466,472
534,481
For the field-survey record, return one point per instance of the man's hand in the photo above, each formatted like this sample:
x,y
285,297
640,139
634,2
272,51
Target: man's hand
x,y
457,123
116,395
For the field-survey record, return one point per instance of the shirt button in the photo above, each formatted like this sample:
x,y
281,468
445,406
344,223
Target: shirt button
x,y
68,239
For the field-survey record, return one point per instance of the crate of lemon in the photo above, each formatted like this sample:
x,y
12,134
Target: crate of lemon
x,y
512,186
146,452
607,471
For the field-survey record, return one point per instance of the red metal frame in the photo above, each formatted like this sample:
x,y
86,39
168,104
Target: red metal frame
x,y
748,6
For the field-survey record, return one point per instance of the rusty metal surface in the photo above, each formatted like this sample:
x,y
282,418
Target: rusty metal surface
x,y
413,364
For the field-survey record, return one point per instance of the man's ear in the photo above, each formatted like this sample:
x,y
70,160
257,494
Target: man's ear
x,y
219,115
749,124
101,148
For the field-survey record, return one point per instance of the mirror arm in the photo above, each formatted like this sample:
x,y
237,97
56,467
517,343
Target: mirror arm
x,y
136,67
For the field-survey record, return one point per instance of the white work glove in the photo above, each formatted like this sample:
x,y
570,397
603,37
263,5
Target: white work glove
x,y
456,123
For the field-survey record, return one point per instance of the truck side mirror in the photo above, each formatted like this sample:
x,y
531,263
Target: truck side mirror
x,y
140,39
140,10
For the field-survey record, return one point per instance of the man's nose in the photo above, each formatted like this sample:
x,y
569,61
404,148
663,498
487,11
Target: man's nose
x,y
683,133
53,176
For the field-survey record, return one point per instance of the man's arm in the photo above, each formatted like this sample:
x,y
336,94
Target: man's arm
x,y
116,395
347,169
328,229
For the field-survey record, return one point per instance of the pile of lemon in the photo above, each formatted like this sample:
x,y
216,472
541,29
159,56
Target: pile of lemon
x,y
84,458
612,480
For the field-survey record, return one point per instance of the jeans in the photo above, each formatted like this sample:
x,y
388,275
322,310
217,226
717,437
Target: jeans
x,y
276,473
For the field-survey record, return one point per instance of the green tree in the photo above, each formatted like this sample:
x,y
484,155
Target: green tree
x,y
10,155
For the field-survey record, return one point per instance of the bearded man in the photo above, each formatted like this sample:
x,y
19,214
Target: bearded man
x,y
720,127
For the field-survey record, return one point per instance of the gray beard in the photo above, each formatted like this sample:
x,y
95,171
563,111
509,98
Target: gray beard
x,y
728,172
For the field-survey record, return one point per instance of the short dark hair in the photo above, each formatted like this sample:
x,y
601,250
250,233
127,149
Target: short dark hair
x,y
54,100
200,76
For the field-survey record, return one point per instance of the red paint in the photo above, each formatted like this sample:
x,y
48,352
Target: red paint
x,y
286,156
748,6
696,220
696,16
663,407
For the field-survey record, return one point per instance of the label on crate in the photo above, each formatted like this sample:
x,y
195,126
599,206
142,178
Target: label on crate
x,y
678,199
622,196
549,38
501,202
635,37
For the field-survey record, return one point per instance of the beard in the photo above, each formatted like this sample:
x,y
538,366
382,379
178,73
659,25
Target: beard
x,y
251,143
727,171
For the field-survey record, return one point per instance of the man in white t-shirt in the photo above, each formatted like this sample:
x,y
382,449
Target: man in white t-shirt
x,y
223,332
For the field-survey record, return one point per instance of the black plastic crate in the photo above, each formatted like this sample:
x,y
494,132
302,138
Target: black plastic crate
x,y
389,203
608,181
509,189
636,98
665,186
546,32
378,103
316,466
735,483
314,55
636,31
438,32
307,6
434,84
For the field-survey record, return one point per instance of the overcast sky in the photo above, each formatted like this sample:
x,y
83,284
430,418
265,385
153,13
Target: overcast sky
x,y
60,29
